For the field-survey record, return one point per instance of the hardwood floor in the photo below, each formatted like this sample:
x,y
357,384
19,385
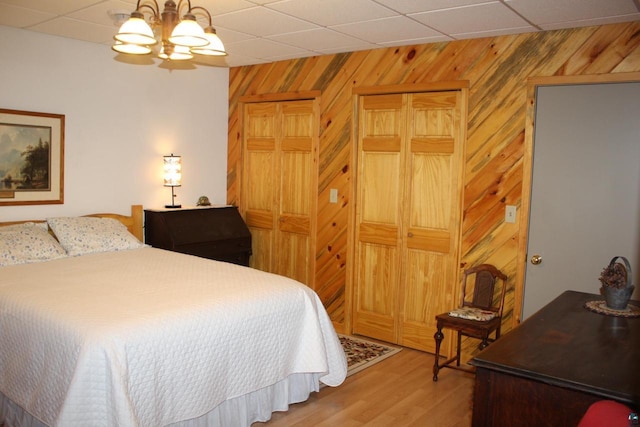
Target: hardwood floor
x,y
398,391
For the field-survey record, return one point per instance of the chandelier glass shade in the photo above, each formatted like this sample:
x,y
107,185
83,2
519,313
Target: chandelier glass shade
x,y
132,49
179,38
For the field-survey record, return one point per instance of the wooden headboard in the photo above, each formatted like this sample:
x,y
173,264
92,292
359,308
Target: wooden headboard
x,y
134,222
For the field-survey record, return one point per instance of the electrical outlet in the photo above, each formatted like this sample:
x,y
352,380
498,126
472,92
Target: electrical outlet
x,y
333,195
510,214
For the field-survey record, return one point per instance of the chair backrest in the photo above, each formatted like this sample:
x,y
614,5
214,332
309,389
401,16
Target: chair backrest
x,y
483,297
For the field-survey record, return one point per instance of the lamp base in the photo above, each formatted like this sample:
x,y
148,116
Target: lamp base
x,y
172,206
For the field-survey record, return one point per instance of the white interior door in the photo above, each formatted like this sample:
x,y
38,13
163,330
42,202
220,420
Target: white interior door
x,y
585,196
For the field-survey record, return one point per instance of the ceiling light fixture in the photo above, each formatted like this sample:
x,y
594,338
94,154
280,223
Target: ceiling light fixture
x,y
179,38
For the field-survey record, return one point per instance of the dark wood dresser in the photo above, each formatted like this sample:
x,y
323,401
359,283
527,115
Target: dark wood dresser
x,y
217,233
548,370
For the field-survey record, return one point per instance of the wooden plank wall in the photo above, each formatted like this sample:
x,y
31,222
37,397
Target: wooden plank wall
x,y
497,70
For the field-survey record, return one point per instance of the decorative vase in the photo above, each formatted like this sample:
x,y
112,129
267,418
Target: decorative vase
x,y
618,298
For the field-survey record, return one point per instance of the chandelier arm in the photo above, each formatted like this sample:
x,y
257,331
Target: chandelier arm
x,y
155,11
205,10
180,4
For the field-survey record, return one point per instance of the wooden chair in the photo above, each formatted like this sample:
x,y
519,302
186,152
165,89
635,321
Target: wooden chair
x,y
482,297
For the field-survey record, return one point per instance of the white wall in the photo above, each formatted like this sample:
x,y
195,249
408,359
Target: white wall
x,y
120,120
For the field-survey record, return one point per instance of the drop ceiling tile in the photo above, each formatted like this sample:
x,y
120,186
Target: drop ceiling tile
x,y
387,30
219,7
421,40
230,36
79,30
590,22
21,17
412,6
263,2
305,24
333,12
99,13
469,19
260,21
549,11
262,48
361,46
286,57
317,39
494,33
56,7
235,59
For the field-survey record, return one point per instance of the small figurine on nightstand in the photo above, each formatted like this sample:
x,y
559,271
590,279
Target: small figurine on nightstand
x,y
203,201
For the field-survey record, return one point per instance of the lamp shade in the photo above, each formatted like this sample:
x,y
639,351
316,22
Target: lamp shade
x,y
188,33
136,31
178,53
134,49
215,46
172,171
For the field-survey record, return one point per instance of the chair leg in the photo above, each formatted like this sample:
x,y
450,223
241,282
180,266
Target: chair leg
x,y
485,342
438,337
458,350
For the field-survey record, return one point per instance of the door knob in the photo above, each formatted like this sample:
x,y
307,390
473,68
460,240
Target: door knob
x,y
536,260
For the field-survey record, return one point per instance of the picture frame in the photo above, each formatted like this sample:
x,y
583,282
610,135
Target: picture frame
x,y
31,158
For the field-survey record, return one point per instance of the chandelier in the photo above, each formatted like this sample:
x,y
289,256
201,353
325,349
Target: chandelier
x,y
179,38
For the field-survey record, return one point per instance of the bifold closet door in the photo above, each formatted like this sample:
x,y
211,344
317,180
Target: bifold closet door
x,y
279,186
407,214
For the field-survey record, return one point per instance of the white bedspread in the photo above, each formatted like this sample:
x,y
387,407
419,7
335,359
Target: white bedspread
x,y
148,337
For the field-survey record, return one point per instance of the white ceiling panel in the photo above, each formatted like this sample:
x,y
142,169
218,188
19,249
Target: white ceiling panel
x,y
258,31
98,13
20,17
590,22
56,7
333,12
72,28
264,22
548,11
219,7
387,30
320,39
413,6
463,20
257,48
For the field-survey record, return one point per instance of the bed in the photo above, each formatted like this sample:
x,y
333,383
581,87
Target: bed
x,y
98,329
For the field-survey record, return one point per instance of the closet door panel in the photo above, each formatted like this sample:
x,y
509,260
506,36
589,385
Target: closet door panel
x,y
260,183
376,302
261,247
432,216
379,215
297,191
426,276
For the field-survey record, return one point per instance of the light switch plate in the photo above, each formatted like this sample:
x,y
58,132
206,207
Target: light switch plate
x,y
333,195
510,214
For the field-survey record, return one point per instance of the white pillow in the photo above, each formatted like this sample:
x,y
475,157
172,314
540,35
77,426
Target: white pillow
x,y
85,235
25,243
21,226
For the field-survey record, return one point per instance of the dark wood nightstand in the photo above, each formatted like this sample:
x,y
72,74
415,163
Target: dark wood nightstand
x,y
210,232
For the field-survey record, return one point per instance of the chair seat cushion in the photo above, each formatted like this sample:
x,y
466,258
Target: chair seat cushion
x,y
471,313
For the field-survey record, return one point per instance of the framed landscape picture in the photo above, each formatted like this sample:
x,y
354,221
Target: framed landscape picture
x,y
31,158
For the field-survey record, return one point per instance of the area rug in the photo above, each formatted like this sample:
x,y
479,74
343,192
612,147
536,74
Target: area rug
x,y
362,354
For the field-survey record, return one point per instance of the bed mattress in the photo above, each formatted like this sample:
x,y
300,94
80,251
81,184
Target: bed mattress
x,y
150,337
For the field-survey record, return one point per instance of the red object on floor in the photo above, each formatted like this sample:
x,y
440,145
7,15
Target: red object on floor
x,y
606,413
